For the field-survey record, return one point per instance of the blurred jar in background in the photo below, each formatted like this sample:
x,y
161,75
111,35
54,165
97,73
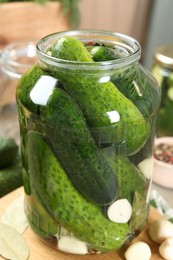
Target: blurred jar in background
x,y
162,69
15,59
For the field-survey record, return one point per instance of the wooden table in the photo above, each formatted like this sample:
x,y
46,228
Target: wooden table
x,y
40,251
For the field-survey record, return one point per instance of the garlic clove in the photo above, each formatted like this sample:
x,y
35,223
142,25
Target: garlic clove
x,y
70,244
138,251
160,230
120,211
146,167
166,249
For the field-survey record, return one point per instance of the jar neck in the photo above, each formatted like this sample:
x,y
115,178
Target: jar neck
x,y
128,45
17,58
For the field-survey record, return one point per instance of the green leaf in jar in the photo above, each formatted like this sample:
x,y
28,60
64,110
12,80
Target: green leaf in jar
x,y
12,244
139,212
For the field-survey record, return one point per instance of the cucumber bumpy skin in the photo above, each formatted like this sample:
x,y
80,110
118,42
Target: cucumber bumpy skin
x,y
132,186
103,185
141,90
66,129
68,207
25,85
102,53
130,179
97,99
40,220
77,52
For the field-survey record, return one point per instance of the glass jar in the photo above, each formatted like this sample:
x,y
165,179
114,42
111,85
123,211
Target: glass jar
x,y
15,59
162,69
87,132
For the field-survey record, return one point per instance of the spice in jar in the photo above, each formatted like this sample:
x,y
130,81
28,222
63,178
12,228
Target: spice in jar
x,y
164,152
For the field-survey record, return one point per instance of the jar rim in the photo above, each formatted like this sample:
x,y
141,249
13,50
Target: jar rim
x,y
120,39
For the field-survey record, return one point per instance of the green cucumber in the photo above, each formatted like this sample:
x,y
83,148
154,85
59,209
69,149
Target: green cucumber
x,y
26,84
11,177
26,179
97,100
130,179
102,53
132,185
8,151
141,90
66,129
77,215
77,52
40,220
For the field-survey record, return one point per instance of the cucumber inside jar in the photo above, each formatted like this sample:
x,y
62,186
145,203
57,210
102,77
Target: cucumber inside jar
x,y
99,100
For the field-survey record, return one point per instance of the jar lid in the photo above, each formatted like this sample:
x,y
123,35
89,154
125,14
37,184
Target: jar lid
x,y
163,55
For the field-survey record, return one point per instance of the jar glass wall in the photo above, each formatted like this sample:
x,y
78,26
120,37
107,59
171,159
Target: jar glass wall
x,y
87,133
15,59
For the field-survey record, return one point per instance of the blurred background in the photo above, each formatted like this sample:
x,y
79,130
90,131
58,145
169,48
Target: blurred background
x,y
149,21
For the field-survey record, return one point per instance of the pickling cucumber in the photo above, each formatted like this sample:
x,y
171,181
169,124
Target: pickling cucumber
x,y
130,179
132,186
26,84
113,117
40,220
77,215
141,90
102,53
69,48
8,151
11,177
105,183
67,132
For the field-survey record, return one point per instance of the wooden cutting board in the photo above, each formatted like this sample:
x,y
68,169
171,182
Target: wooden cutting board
x,y
41,251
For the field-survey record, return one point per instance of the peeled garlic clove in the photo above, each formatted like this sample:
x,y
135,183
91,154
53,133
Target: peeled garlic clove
x,y
138,251
166,249
70,244
146,167
160,230
120,211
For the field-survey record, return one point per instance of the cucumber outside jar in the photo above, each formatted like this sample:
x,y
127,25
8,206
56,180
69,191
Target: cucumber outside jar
x,y
87,114
162,70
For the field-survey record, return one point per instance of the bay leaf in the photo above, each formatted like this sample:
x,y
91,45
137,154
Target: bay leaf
x,y
14,215
12,244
